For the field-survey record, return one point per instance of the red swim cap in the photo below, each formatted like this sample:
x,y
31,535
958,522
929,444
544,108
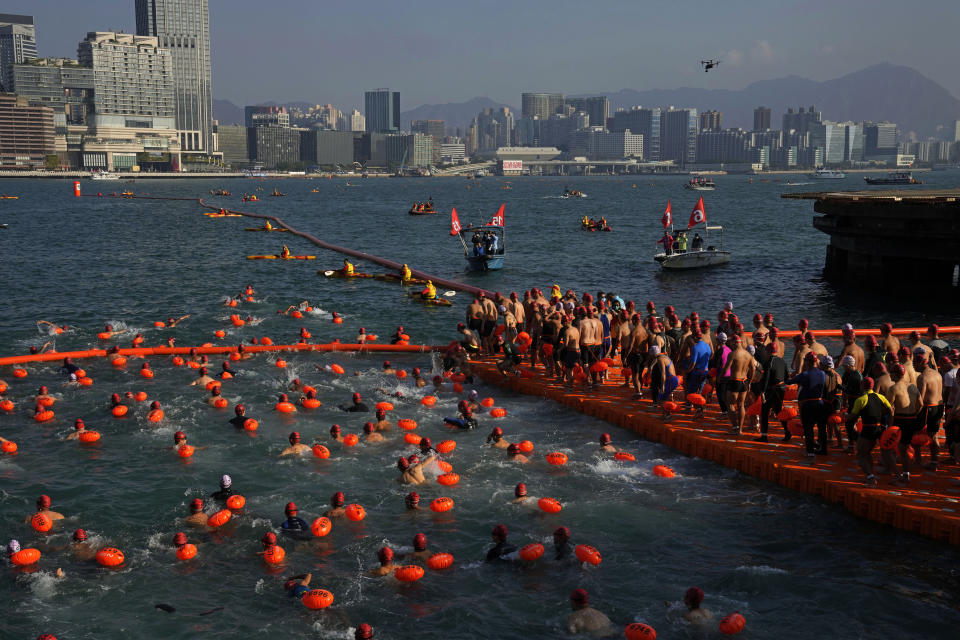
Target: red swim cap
x,y
79,535
291,508
269,538
497,431
604,438
283,398
336,500
693,596
335,429
803,324
78,424
43,502
386,364
562,532
513,449
196,506
356,397
294,437
580,595
419,542
413,459
500,531
178,436
413,498
520,490
363,632
867,384
425,443
416,371
155,405
381,414
368,427
886,327
239,409
385,555
179,538
402,464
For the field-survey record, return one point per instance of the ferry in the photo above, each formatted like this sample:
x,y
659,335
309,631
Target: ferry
x,y
827,174
103,175
894,177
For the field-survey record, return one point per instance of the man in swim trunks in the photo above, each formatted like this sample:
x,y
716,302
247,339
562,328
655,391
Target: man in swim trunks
x,y
336,509
68,366
79,427
382,423
418,379
501,546
852,349
80,548
514,455
370,434
420,551
870,407
571,349
591,342
496,439
490,315
226,482
385,556
889,343
741,367
43,506
387,369
930,388
905,400
605,444
474,317
197,517
294,525
295,448
586,619
810,399
357,405
202,378
412,473
632,354
471,339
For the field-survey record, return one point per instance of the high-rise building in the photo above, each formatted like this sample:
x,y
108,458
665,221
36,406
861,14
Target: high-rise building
x,y
543,105
645,122
724,146
598,108
801,121
18,43
599,144
329,148
832,138
494,128
234,145
183,28
382,110
60,83
678,136
274,147
761,119
880,141
266,116
26,134
356,121
711,121
433,128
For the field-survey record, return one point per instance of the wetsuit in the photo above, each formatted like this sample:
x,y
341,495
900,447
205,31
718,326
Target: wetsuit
x,y
298,591
563,551
222,495
774,375
700,356
500,550
67,369
605,344
810,399
356,406
295,526
871,407
238,421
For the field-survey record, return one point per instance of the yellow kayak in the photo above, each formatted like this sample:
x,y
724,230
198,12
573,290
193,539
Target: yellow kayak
x,y
278,257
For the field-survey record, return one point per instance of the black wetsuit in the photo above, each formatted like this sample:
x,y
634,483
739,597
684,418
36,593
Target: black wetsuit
x,y
772,380
238,421
356,406
222,495
500,550
294,526
563,551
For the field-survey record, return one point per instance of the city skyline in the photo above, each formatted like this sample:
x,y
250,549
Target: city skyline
x,y
411,52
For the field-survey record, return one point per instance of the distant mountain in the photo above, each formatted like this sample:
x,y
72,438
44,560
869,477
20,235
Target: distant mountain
x,y
225,112
881,92
455,114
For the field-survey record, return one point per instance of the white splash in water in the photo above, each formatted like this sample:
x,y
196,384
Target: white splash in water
x,y
761,569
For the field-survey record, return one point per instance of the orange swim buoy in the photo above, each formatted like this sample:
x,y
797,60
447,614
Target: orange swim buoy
x,y
439,505
557,458
791,392
321,451
274,554
498,412
408,573
280,363
236,502
25,557
549,505
624,456
732,624
525,446
212,384
155,416
448,479
141,396
159,325
355,512
446,446
177,361
407,424
487,402
835,419
185,450
266,341
445,466
3,386
8,446
296,314
338,320
920,439
220,333
6,405
321,526
795,427
386,406
439,561
311,403
457,387
401,374
221,403
88,436
586,553
43,416
337,369
146,373
531,551
411,438
890,438
351,440
787,413
19,373
285,407
85,381
428,401
46,402
41,522
707,389
696,399
663,471
110,557
119,361
317,599
250,424
670,406
234,355
220,518
186,551
639,631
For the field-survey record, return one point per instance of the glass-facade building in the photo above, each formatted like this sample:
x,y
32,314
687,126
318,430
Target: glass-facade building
x,y
645,122
18,43
678,136
382,111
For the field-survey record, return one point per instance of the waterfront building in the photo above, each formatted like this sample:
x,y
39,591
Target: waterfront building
x,y
409,150
274,147
355,122
880,142
452,153
266,116
26,134
597,107
543,105
433,128
382,111
801,121
678,136
18,43
761,119
711,121
328,148
234,145
183,28
596,143
494,128
724,146
645,122
60,83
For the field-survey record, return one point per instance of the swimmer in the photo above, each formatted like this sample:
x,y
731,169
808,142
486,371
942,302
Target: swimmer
x,y
397,336
202,378
426,447
297,585
514,455
43,506
363,632
561,543
382,423
310,395
226,482
385,556
472,401
68,366
420,551
284,398
437,383
370,433
226,372
387,369
412,501
242,352
293,525
80,548
695,614
180,438
586,619
496,439
469,422
520,493
356,404
418,379
336,503
240,417
79,427
44,394
172,323
137,341
214,396
501,546
197,517
336,433
295,448
605,445
269,541
412,472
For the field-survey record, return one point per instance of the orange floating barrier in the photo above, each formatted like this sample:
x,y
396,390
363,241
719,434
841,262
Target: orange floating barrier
x,y
428,401
531,551
446,446
663,471
407,424
448,479
498,412
439,505
321,451
411,438
549,505
732,624
321,526
355,512
110,557
220,518
408,573
317,599
586,553
557,458
440,561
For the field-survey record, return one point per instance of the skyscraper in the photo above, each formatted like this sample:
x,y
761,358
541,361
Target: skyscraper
x,y
541,104
761,118
18,43
678,136
711,121
645,122
382,110
183,27
598,108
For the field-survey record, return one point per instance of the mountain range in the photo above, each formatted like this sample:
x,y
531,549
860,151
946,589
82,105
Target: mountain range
x,y
880,92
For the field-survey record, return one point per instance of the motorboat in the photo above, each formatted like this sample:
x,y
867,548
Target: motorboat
x,y
702,252
699,183
487,249
103,175
827,174
894,177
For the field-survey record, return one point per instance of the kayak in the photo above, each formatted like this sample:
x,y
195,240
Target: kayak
x,y
438,302
223,215
9,197
262,229
339,274
422,213
277,257
395,277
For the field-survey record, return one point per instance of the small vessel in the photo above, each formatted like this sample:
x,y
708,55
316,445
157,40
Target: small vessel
x,y
338,273
395,277
281,257
827,174
572,193
6,197
127,194
276,229
220,192
276,194
589,224
894,177
699,183
103,175
437,302
488,242
700,254
422,209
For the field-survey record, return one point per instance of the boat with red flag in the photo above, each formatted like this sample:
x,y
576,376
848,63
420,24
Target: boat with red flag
x,y
486,249
680,251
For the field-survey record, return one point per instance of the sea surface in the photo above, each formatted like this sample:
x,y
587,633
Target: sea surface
x,y
794,566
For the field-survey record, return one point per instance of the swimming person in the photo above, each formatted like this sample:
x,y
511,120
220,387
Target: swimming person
x,y
385,556
695,614
298,585
226,482
197,517
356,404
294,525
501,546
584,618
336,509
561,543
295,448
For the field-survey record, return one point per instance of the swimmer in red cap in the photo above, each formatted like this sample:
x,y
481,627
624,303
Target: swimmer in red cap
x,y
514,455
296,448
420,551
362,632
586,619
386,567
240,417
412,472
695,614
298,585
888,341
739,373
43,394
43,506
81,549
294,525
412,501
79,427
197,517
336,509
370,433
387,368
496,439
418,379
520,494
356,404
605,445
561,543
268,542
202,378
336,433
501,546
382,424
215,396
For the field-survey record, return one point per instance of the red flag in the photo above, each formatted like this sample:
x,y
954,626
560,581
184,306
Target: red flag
x,y
498,218
454,223
698,214
667,219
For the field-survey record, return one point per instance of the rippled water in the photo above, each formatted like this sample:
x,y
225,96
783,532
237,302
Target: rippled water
x,y
792,565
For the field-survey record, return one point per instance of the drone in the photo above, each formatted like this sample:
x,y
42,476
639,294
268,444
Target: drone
x,y
709,64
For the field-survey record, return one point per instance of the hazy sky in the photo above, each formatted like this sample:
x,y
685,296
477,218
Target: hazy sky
x,y
450,51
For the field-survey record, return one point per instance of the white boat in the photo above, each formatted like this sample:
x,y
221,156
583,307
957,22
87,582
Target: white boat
x,y
104,175
700,183
827,174
696,258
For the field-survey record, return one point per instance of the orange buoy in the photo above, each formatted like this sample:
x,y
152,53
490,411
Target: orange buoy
x,y
236,502
8,446
266,341
281,363
411,438
401,374
250,424
531,552
795,427
19,373
442,504
835,419
458,377
119,410
440,561
404,336
311,403
321,451
88,436
41,522
696,399
177,361
85,381
220,518
338,320
670,406
355,512
212,385
791,392
599,367
732,624
43,416
141,396
337,369
525,446
274,555
351,440
105,335
110,557
623,455
407,424
3,386
890,438
25,557
586,553
707,389
639,631
487,402
498,412
446,446
317,599
285,407
6,405
445,466
557,458
146,373
457,387
119,361
155,416
46,402
296,313
920,439
159,325
234,355
428,401
448,479
220,333
221,403
549,505
321,526
186,551
663,471
787,413
386,406
408,573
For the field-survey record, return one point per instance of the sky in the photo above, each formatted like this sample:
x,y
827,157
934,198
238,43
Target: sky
x,y
331,51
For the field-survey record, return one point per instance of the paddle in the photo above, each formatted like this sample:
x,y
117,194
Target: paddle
x,y
449,294
328,273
